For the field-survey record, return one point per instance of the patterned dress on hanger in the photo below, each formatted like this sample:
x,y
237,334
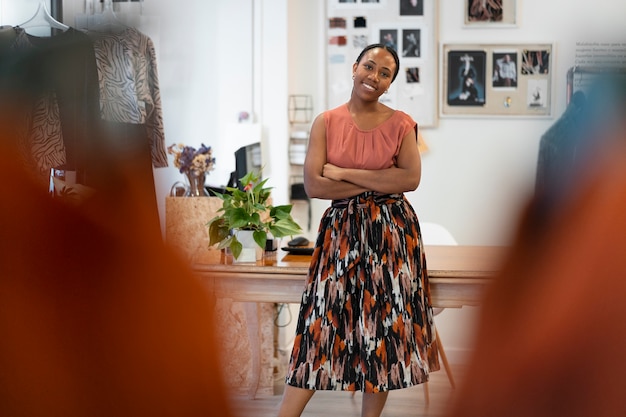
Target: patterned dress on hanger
x,y
366,321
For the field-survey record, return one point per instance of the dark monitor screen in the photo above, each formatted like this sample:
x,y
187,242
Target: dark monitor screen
x,y
247,159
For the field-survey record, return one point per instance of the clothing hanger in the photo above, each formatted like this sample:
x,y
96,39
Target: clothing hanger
x,y
107,21
42,18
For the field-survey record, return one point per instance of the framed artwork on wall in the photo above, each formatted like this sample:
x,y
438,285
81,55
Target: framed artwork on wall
x,y
411,7
408,26
496,13
466,78
496,80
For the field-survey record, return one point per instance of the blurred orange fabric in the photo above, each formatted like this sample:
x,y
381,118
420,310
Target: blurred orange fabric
x,y
552,333
97,316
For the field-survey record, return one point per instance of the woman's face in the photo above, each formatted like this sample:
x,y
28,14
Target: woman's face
x,y
373,73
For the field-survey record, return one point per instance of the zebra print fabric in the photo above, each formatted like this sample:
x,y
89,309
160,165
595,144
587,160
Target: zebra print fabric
x,y
129,85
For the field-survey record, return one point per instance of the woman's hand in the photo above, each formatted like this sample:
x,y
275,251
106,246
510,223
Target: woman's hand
x,y
332,172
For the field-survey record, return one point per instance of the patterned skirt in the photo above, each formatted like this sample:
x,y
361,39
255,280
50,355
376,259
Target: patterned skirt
x,y
366,320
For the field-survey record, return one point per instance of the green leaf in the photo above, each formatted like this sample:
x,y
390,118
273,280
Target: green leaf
x,y
281,212
260,237
236,247
239,218
217,231
285,227
219,195
226,242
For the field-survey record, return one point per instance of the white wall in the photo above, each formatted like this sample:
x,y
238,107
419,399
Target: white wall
x,y
14,12
479,170
215,60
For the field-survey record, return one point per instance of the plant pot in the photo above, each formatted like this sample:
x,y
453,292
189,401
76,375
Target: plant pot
x,y
251,252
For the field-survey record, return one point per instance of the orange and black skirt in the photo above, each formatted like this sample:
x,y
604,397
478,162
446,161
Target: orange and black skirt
x,y
366,320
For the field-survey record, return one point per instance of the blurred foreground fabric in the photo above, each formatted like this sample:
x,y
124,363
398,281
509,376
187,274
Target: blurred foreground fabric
x,y
97,316
552,334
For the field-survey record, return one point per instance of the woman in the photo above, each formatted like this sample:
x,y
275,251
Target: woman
x,y
366,320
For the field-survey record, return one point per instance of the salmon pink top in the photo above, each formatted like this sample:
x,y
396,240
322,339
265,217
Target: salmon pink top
x,y
347,146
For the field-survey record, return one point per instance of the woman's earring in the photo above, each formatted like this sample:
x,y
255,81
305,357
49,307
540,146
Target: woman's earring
x,y
386,91
353,76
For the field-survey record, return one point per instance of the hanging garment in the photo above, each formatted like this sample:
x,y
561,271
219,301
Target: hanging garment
x,y
58,76
576,135
559,144
129,86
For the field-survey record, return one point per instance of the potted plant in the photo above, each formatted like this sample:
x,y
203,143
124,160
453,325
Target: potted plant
x,y
249,209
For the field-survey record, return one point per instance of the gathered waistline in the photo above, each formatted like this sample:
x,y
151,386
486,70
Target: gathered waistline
x,y
378,198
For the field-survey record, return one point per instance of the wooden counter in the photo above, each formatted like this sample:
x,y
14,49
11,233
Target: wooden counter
x,y
458,276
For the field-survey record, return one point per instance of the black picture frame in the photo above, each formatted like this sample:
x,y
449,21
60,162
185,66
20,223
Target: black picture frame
x,y
411,43
411,7
466,78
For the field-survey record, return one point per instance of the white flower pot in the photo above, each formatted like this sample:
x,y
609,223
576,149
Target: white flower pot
x,y
251,252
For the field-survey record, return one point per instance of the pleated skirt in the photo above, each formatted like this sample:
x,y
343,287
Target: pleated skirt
x,y
366,320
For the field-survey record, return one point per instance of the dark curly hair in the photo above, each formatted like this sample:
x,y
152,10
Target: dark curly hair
x,y
389,49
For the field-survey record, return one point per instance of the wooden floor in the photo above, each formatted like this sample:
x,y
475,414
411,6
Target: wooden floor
x,y
405,402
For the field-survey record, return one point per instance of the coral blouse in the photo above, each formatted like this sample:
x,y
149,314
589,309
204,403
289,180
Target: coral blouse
x,y
347,146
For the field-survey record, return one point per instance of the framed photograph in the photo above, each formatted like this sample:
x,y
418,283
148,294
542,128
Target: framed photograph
x,y
411,43
412,75
466,78
497,13
409,27
496,80
504,74
411,7
535,62
389,37
537,93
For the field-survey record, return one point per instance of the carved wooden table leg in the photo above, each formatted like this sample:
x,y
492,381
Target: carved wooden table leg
x,y
254,337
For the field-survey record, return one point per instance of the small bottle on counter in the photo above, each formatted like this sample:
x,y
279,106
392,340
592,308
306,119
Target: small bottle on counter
x,y
269,255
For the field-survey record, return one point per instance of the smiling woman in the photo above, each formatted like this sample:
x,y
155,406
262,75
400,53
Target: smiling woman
x,y
368,265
